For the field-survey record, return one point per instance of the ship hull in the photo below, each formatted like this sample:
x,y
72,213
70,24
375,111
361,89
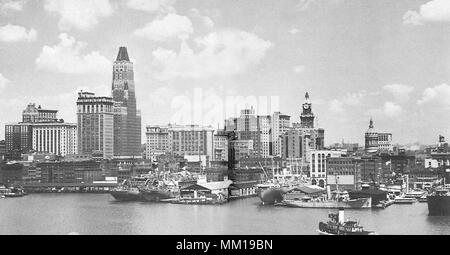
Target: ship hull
x,y
378,196
438,205
156,195
325,229
125,195
351,204
270,196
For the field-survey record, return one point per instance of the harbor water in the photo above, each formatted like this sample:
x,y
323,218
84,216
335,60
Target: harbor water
x,y
92,214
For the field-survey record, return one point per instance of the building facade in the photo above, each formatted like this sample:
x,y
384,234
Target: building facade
x,y
281,123
57,138
376,142
318,165
95,130
127,119
221,145
33,114
180,140
343,173
18,140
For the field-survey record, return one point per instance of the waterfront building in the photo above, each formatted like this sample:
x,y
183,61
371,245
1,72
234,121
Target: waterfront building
x,y
11,173
95,125
55,137
343,173
280,124
318,165
127,119
79,171
371,169
399,164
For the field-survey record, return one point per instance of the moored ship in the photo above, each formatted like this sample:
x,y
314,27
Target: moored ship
x,y
337,225
308,202
379,197
129,189
439,202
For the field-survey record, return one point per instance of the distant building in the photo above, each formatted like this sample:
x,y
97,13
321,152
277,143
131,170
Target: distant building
x,y
180,140
95,125
33,114
18,139
280,124
293,144
157,138
376,142
264,128
240,149
221,145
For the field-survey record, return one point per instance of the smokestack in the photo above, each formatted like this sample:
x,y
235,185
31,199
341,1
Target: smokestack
x,y
341,217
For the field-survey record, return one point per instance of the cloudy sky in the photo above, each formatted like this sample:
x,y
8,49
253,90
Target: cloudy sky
x,y
195,59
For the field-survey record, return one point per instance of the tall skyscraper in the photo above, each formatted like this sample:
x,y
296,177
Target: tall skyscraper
x,y
95,125
127,119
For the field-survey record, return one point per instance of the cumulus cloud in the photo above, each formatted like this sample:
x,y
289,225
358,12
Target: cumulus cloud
x,y
391,109
350,99
298,69
66,57
13,33
167,28
11,5
438,95
432,11
3,81
150,5
221,53
399,91
336,106
293,31
79,14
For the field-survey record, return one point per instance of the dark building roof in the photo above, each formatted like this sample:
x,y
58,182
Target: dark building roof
x,y
123,54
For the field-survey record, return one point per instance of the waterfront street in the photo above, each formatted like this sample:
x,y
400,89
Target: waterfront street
x,y
93,214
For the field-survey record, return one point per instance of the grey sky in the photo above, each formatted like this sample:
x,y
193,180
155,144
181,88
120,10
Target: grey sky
x,y
385,59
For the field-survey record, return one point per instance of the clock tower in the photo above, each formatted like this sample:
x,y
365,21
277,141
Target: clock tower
x,y
307,116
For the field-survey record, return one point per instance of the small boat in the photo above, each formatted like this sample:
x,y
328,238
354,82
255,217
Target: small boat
x,y
404,200
337,225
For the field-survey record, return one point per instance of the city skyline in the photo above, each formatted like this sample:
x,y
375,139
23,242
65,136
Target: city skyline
x,y
380,60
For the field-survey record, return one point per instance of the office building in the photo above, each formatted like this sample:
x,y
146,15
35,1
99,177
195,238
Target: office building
x,y
95,125
127,119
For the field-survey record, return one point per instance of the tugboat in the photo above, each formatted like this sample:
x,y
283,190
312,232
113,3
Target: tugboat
x,y
337,225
